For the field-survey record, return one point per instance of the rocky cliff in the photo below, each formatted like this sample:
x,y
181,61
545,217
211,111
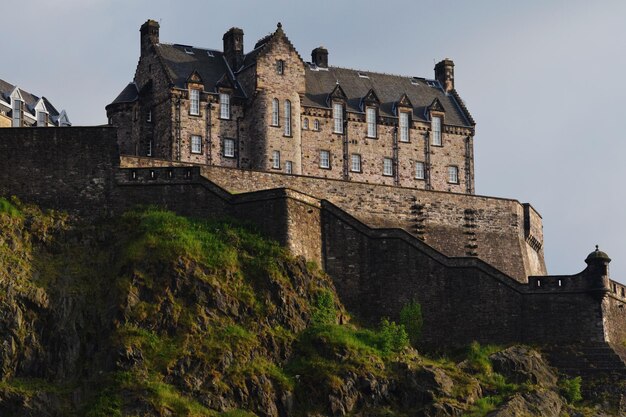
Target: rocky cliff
x,y
152,314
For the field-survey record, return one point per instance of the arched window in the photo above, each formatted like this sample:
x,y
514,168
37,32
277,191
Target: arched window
x,y
316,125
305,123
287,118
275,112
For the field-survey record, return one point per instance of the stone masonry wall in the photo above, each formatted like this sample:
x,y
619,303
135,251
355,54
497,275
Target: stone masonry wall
x,y
455,224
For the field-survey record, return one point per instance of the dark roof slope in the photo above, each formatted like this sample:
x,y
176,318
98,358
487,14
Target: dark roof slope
x,y
181,60
356,84
30,100
128,95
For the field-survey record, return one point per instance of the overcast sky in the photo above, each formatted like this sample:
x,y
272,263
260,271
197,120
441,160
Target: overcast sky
x,y
543,79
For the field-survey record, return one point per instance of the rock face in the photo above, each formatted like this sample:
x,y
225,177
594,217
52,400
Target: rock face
x,y
156,315
521,364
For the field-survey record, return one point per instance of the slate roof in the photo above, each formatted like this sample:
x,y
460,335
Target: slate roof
x,y
30,100
389,89
181,60
128,95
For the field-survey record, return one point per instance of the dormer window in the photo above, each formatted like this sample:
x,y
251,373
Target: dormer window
x,y
370,116
338,117
224,106
194,99
404,127
280,67
16,107
436,131
42,119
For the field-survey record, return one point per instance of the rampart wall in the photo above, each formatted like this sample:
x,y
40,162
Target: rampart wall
x,y
492,229
376,270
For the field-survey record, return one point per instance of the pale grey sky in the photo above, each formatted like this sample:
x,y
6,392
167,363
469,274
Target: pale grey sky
x,y
543,79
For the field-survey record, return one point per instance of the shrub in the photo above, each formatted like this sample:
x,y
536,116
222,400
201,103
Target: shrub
x,y
324,311
570,389
412,320
393,337
478,357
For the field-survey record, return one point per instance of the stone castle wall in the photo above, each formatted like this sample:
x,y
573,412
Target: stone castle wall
x,y
455,224
376,271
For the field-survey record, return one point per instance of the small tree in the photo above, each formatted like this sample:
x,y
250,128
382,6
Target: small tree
x,y
411,319
393,336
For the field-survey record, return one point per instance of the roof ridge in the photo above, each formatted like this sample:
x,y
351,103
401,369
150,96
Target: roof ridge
x,y
376,72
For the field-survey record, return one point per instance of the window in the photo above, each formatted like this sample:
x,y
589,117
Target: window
x,y
316,124
42,119
17,113
149,153
224,106
194,106
275,107
404,127
276,160
149,116
388,166
288,167
355,165
436,126
280,67
287,118
338,117
196,144
325,159
229,148
419,170
305,124
453,175
370,116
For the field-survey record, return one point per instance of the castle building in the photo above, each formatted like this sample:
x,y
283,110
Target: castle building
x,y
19,108
269,110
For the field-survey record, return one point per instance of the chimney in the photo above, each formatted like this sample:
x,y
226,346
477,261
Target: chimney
x,y
233,48
320,57
444,73
149,35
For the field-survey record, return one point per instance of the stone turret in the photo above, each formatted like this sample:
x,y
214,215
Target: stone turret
x,y
598,266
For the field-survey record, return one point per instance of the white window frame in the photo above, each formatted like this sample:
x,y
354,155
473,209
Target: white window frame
x,y
276,159
196,144
16,116
225,106
436,131
325,159
287,131
288,167
355,162
370,117
388,167
305,123
453,174
404,126
420,171
149,153
229,148
275,112
316,125
338,118
149,116
194,102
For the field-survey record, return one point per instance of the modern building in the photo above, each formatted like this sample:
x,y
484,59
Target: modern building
x,y
269,110
19,108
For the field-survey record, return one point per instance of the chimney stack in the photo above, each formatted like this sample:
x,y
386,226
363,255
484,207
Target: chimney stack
x,y
149,35
319,56
233,48
444,73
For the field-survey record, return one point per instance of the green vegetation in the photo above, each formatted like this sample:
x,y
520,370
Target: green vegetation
x,y
570,389
412,320
6,207
324,311
393,337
